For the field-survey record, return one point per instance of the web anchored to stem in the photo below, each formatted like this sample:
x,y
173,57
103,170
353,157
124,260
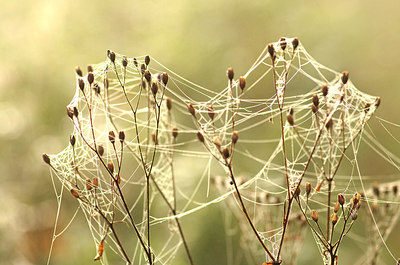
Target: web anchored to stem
x,y
274,146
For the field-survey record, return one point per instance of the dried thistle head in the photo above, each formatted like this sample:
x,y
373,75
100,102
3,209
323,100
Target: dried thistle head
x,y
46,159
334,219
217,141
191,109
78,71
308,189
314,215
345,77
242,83
175,132
235,137
341,199
230,73
74,193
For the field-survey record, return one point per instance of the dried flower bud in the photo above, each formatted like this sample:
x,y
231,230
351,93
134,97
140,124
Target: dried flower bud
x,y
271,51
175,132
290,119
242,83
345,77
341,199
72,140
142,68
314,108
295,43
100,250
46,159
70,112
200,137
325,90
395,190
377,102
96,88
78,71
308,188
76,112
169,103
89,68
89,185
124,62
147,76
111,56
154,88
211,112
230,73
81,84
118,179
191,109
74,193
334,219
164,78
283,43
95,182
100,150
225,153
90,78
217,141
121,136
147,60
153,137
315,100
354,215
314,215
329,123
110,167
135,62
336,207
235,137
375,189
111,136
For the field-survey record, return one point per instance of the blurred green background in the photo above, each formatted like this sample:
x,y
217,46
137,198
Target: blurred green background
x,y
42,41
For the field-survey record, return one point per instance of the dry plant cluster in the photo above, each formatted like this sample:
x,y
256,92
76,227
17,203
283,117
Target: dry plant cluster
x,y
135,128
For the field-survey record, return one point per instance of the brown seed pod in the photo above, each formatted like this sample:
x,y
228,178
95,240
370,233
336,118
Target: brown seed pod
x,y
325,90
74,193
308,188
217,141
147,60
211,112
90,78
235,137
242,83
341,199
154,88
142,68
90,68
110,167
147,76
283,43
336,207
314,215
95,182
191,109
225,153
72,140
81,84
271,51
124,62
111,56
100,150
78,71
345,77
175,132
89,184
314,108
290,119
121,136
169,103
334,219
153,137
46,159
230,73
164,78
200,137
329,123
111,137
295,43
315,100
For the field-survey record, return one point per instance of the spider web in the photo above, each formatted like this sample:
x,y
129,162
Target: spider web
x,y
188,176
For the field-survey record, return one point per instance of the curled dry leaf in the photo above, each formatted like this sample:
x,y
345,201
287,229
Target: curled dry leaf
x,y
100,250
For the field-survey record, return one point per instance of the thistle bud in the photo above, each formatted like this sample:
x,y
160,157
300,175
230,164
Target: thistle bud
x,y
135,62
142,68
200,137
336,207
345,77
72,140
95,182
111,56
175,132
211,113
341,199
290,119
295,43
78,71
354,215
271,51
334,219
100,150
315,100
308,188
169,103
314,215
191,109
325,90
111,137
90,78
110,167
242,83
164,78
147,60
81,84
329,123
154,88
235,137
314,108
217,141
70,112
121,136
230,73
147,76
124,62
76,112
90,68
89,184
74,193
225,153
46,159
283,43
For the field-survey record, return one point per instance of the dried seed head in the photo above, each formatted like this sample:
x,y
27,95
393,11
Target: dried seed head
x,y
395,189
169,103
89,184
314,215
334,219
118,179
175,132
100,250
81,84
46,159
154,88
121,136
100,150
72,140
110,167
295,43
191,109
135,62
377,102
375,189
235,137
341,199
70,112
217,141
200,137
336,207
283,43
95,182
147,75
124,61
225,153
211,112
325,90
308,188
290,119
242,83
111,137
147,60
271,51
90,78
164,78
96,88
74,193
329,123
111,56
142,68
230,73
314,108
354,215
76,112
315,100
89,68
345,77
78,71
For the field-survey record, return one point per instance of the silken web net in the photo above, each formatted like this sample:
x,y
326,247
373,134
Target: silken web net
x,y
288,121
